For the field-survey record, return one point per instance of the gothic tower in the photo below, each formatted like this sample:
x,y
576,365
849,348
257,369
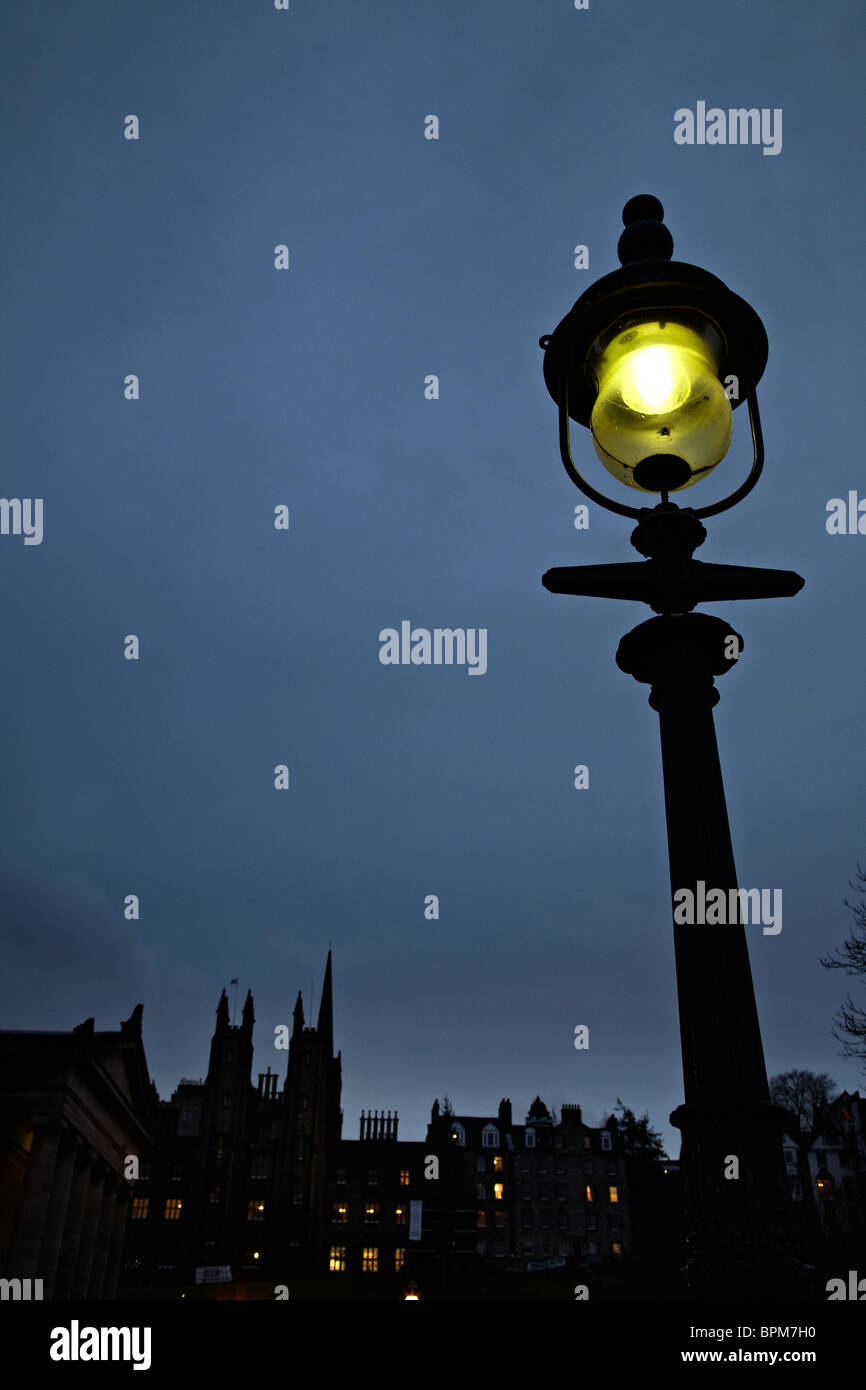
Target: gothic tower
x,y
312,1119
218,1215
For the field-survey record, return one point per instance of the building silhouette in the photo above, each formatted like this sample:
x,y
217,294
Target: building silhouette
x,y
254,1185
73,1108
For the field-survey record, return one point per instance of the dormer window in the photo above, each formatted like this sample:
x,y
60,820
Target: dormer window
x,y
458,1134
529,1138
606,1141
490,1137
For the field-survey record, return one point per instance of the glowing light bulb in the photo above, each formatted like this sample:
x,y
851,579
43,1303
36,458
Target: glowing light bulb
x,y
659,392
653,381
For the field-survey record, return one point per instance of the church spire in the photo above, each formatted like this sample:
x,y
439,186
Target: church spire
x,y
298,1016
325,1025
222,1012
248,1017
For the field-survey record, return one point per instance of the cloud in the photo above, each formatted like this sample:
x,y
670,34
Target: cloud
x,y
68,953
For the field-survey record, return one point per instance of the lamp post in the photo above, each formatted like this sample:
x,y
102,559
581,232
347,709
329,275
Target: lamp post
x,y
654,358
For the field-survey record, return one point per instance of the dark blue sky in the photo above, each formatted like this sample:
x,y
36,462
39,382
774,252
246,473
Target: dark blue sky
x,y
306,387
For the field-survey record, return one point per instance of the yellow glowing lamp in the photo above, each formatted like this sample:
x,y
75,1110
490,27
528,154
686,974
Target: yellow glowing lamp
x,y
659,394
654,358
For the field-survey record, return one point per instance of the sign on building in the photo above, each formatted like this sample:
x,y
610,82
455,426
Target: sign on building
x,y
213,1274
415,1220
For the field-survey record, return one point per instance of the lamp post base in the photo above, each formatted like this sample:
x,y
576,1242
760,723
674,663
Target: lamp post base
x,y
741,1233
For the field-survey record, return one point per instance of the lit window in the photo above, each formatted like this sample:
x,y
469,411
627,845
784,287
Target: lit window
x,y
255,1209
400,1215
340,1211
370,1259
404,1177
606,1141
458,1134
617,1247
498,1190
497,1163
338,1259
371,1212
613,1194
139,1208
481,1218
172,1209
589,1196
399,1258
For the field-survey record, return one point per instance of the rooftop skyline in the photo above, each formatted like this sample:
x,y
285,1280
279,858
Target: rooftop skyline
x,y
309,388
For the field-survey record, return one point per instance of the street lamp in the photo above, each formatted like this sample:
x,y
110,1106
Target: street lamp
x,y
653,359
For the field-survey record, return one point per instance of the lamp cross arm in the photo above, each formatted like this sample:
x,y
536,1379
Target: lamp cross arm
x,y
672,583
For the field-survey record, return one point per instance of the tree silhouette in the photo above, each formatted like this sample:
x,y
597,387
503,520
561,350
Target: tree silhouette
x,y
850,1025
805,1096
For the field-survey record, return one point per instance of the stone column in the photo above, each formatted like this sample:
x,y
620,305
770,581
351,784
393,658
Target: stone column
x,y
115,1245
103,1236
74,1222
55,1224
89,1229
35,1200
